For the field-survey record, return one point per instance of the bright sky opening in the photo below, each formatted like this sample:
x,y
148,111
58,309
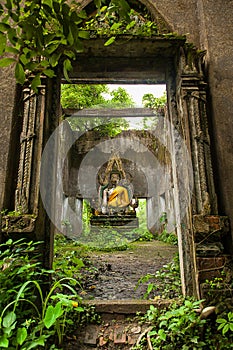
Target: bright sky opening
x,y
138,91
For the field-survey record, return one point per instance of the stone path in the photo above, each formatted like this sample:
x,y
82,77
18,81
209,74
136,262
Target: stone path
x,y
110,286
116,273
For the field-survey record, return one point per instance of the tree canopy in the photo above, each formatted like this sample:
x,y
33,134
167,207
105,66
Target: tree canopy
x,y
150,101
79,96
94,95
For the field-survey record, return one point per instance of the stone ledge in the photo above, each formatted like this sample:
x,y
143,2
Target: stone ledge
x,y
127,307
24,223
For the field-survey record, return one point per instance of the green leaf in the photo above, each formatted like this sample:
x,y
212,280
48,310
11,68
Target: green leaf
x,y
82,14
70,38
19,73
50,317
54,59
21,335
44,64
225,329
110,41
36,81
4,342
4,62
12,36
69,54
49,73
67,66
34,344
153,333
58,311
2,43
221,320
4,27
84,34
115,26
12,50
48,2
98,3
150,288
23,59
52,47
130,25
9,319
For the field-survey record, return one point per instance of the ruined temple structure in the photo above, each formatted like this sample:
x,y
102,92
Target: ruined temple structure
x,y
197,70
114,172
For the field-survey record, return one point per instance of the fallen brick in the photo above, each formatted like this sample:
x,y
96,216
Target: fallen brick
x,y
119,335
91,335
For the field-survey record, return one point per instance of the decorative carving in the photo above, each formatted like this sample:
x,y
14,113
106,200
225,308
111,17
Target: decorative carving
x,y
194,118
18,224
31,119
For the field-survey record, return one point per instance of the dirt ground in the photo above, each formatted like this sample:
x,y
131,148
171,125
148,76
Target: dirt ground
x,y
115,274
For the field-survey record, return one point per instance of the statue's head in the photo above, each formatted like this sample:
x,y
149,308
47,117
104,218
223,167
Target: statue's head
x,y
115,176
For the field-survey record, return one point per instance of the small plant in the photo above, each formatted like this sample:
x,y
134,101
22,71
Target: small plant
x,y
226,325
19,263
165,283
42,321
30,318
176,328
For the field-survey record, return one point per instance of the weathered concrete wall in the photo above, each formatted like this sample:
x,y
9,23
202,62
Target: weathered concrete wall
x,y
209,24
218,17
7,94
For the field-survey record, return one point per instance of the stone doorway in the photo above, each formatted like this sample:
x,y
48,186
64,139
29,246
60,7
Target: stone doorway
x,y
141,60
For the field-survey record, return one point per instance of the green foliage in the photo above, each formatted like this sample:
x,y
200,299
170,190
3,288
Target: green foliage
x,y
35,29
19,263
164,236
157,103
165,283
106,239
86,96
108,23
41,34
29,317
79,96
168,237
142,233
226,325
120,98
46,320
90,95
177,328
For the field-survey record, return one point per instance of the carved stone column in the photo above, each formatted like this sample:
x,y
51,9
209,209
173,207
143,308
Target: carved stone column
x,y
208,228
26,196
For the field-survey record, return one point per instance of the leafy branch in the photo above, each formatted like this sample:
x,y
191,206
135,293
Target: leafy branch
x,y
39,35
